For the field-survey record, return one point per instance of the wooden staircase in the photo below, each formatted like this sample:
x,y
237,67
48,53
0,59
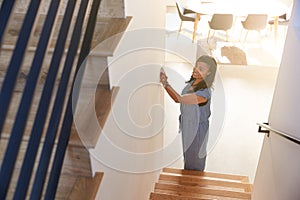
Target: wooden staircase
x,y
77,180
179,184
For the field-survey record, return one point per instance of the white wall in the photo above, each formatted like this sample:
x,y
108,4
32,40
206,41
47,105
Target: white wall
x,y
146,13
170,2
278,174
128,150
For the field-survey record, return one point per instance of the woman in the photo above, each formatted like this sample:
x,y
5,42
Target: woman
x,y
195,111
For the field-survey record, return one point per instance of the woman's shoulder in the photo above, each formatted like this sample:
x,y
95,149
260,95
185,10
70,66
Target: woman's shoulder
x,y
204,92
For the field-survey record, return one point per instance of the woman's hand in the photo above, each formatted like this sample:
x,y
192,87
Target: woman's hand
x,y
163,79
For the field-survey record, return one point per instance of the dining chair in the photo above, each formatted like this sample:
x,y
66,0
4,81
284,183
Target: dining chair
x,y
220,22
184,14
254,22
282,20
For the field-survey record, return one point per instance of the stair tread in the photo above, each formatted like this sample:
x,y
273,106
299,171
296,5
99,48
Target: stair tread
x,y
213,187
162,196
104,98
86,187
108,33
196,181
203,181
233,177
200,190
179,195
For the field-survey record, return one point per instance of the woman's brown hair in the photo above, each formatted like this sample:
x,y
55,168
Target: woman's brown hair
x,y
208,81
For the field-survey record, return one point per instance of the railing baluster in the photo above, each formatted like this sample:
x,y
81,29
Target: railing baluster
x,y
28,163
6,94
43,109
16,60
5,12
68,118
9,82
58,105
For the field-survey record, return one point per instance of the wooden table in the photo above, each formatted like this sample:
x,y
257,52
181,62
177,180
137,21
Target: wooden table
x,y
273,8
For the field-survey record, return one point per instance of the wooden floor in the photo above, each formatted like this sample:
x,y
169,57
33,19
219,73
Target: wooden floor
x,y
178,184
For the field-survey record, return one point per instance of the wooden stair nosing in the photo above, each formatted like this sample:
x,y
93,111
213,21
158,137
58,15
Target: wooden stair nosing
x,y
199,190
193,195
201,181
111,36
213,187
249,189
207,174
104,99
86,187
162,196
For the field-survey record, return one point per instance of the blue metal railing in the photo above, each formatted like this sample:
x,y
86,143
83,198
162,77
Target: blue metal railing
x,y
61,96
68,119
5,97
16,60
39,122
6,8
58,106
